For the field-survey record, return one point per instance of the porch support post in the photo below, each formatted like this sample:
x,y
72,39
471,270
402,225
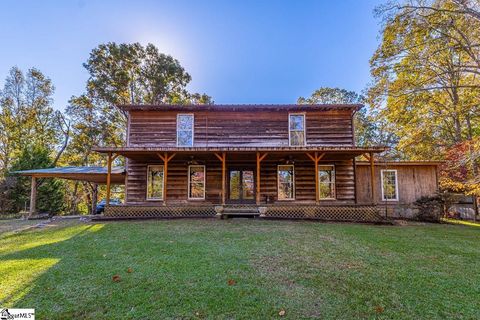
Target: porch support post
x,y
165,159
316,158
94,197
109,173
223,159
33,197
372,178
260,157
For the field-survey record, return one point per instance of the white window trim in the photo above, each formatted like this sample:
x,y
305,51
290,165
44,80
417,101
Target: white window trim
x,y
163,187
193,128
334,181
304,128
278,182
204,181
396,184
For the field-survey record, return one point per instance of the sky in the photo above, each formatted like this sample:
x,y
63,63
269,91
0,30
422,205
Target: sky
x,y
236,51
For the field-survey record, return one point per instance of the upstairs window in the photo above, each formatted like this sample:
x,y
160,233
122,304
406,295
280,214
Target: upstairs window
x,y
326,182
296,129
155,182
185,130
196,182
286,182
389,185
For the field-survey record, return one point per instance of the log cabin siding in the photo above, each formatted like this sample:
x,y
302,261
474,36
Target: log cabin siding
x,y
177,182
414,181
238,128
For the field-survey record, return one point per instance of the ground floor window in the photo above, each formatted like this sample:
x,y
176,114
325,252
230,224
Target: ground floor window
x,y
196,182
389,185
155,182
326,182
286,182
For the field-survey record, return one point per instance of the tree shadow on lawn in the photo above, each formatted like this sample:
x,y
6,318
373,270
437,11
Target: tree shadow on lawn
x,y
174,273
181,269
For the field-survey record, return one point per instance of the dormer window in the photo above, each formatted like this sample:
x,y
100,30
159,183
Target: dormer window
x,y
185,130
296,129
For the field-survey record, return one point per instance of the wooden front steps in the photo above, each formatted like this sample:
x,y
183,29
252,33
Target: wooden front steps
x,y
240,211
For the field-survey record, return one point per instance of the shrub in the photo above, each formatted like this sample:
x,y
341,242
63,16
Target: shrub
x,y
430,208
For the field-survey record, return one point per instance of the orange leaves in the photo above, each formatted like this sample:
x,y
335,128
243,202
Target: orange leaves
x,y
379,309
117,278
231,282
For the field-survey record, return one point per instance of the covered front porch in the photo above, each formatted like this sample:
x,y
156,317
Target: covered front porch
x,y
287,182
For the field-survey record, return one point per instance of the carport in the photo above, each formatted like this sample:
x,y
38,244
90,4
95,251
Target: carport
x,y
95,175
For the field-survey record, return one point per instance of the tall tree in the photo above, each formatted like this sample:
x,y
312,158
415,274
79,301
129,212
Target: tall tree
x,y
133,74
121,74
27,116
457,21
420,86
426,84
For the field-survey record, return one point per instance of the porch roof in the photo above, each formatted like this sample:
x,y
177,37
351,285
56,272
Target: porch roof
x,y
381,163
90,174
343,152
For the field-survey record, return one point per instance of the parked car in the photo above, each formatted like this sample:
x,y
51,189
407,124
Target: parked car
x,y
101,205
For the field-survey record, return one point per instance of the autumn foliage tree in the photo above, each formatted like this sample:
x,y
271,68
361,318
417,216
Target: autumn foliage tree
x,y
121,74
426,82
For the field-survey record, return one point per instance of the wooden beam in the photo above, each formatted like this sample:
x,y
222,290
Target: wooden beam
x,y
161,157
311,157
317,185
257,189
109,173
223,159
94,197
165,176
372,178
115,157
33,197
171,157
224,177
263,157
366,156
316,158
220,157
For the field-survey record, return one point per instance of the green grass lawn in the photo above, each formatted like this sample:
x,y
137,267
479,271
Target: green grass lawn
x,y
242,269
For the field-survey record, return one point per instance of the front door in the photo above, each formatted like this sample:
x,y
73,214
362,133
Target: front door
x,y
241,186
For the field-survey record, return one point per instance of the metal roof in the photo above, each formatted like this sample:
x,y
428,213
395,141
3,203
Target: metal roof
x,y
374,149
240,107
91,174
379,162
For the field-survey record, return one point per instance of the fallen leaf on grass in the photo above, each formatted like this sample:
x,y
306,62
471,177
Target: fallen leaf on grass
x,y
116,278
379,309
129,270
282,312
231,282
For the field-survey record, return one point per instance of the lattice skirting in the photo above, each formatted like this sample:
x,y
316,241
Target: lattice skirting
x,y
159,211
333,213
359,213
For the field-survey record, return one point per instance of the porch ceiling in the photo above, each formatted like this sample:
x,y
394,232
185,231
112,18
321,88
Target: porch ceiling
x,y
151,153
